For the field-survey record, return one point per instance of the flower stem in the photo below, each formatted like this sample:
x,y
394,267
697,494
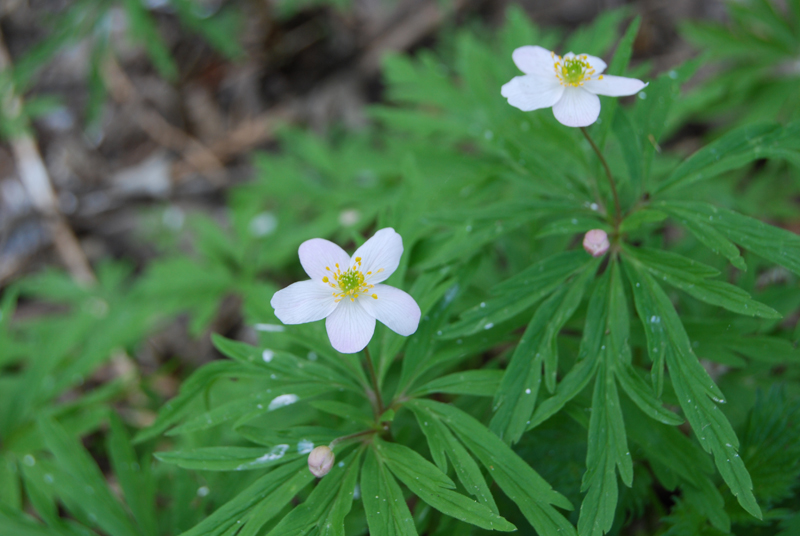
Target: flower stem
x,y
611,182
351,436
375,385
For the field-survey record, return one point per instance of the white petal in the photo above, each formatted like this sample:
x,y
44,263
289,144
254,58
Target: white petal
x,y
317,253
577,108
614,86
381,252
534,60
350,327
531,92
594,62
392,307
304,301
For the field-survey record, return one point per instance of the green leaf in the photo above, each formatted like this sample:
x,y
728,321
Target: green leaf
x,y
607,449
690,277
618,66
328,504
178,407
10,492
230,458
642,395
134,477
641,217
467,382
588,354
262,500
518,293
144,31
434,487
772,243
531,493
734,150
692,385
516,397
80,482
384,504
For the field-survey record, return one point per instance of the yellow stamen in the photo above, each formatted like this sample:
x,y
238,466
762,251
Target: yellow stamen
x,y
375,296
325,279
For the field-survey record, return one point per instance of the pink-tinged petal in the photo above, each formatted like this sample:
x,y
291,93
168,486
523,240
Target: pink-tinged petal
x,y
304,301
318,253
534,60
380,255
614,86
350,327
392,307
594,62
531,92
577,108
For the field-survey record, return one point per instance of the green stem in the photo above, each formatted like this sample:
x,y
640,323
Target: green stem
x,y
349,437
376,387
617,209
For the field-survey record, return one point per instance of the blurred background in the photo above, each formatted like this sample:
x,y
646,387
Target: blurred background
x,y
150,109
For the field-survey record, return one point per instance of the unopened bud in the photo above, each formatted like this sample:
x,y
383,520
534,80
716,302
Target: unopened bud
x,y
320,461
596,242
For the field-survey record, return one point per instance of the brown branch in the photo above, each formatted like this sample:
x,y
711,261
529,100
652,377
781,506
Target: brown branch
x,y
34,176
195,155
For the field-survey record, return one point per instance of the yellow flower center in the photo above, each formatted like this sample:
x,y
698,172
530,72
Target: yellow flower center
x,y
573,71
351,283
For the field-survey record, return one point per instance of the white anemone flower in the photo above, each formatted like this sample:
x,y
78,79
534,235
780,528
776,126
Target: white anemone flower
x,y
570,84
348,293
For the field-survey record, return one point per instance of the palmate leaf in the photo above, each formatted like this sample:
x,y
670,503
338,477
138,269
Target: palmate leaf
x,y
80,484
607,449
259,503
531,493
443,444
323,512
435,488
772,243
692,384
691,277
518,293
516,397
384,504
734,150
467,382
230,458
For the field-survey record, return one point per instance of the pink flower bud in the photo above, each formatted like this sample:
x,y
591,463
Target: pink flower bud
x,y
596,242
320,461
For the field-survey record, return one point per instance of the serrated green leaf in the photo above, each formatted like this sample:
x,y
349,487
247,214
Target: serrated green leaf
x,y
534,496
690,276
80,482
588,354
230,458
642,395
330,501
434,487
735,149
607,448
467,382
384,504
261,501
641,217
134,478
693,386
772,243
516,398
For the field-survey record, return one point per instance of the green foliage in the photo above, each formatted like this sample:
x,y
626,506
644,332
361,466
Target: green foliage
x,y
538,376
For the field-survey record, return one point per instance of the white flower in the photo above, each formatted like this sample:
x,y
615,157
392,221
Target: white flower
x,y
570,85
347,291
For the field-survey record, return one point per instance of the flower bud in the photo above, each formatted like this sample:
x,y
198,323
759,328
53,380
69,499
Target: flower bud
x,y
596,242
320,461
